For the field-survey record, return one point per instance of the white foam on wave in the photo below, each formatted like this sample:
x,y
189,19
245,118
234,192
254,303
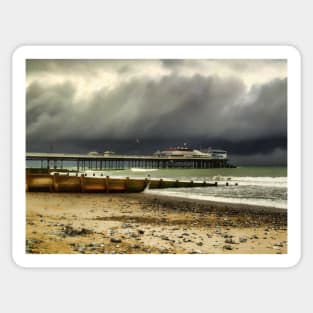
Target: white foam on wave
x,y
282,204
255,181
135,169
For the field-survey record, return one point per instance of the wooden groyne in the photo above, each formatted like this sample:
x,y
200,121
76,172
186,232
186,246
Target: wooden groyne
x,y
81,183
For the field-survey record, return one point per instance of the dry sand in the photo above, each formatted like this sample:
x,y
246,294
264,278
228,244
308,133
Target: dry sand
x,y
142,223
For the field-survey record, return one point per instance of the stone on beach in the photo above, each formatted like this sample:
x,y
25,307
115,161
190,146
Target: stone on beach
x,y
228,247
195,251
230,240
115,240
134,246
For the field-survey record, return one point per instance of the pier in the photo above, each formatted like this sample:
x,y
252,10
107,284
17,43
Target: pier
x,y
112,161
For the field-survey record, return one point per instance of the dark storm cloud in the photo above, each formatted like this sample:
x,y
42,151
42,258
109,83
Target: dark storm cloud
x,y
201,110
62,66
234,64
82,67
173,107
277,157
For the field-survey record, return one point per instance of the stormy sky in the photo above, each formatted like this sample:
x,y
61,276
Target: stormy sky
x,y
140,106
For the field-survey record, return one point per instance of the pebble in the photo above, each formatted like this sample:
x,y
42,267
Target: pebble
x,y
135,246
227,236
81,250
229,240
242,239
194,251
116,240
278,244
228,247
141,231
199,243
33,241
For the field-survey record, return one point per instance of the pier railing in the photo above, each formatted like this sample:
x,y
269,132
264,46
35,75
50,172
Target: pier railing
x,y
102,162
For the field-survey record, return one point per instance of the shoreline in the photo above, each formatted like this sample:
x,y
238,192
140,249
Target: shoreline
x,y
216,204
148,223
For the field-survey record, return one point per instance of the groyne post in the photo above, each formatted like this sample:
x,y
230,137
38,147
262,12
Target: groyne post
x,y
107,188
82,183
55,182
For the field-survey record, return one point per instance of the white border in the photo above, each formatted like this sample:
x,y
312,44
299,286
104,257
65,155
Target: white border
x,y
156,52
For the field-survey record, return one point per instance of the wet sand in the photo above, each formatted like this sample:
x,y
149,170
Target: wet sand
x,y
68,223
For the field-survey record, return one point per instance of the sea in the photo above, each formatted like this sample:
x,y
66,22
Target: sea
x,y
263,186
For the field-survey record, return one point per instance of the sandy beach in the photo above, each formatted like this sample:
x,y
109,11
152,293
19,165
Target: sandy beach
x,y
67,223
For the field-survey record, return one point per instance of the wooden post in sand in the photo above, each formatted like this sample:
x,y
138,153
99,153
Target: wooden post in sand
x,y
160,183
82,183
55,183
107,187
27,178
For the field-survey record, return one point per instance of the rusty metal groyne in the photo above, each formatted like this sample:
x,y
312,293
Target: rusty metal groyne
x,y
81,183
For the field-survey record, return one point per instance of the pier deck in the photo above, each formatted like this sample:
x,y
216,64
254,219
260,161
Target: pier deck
x,y
102,162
